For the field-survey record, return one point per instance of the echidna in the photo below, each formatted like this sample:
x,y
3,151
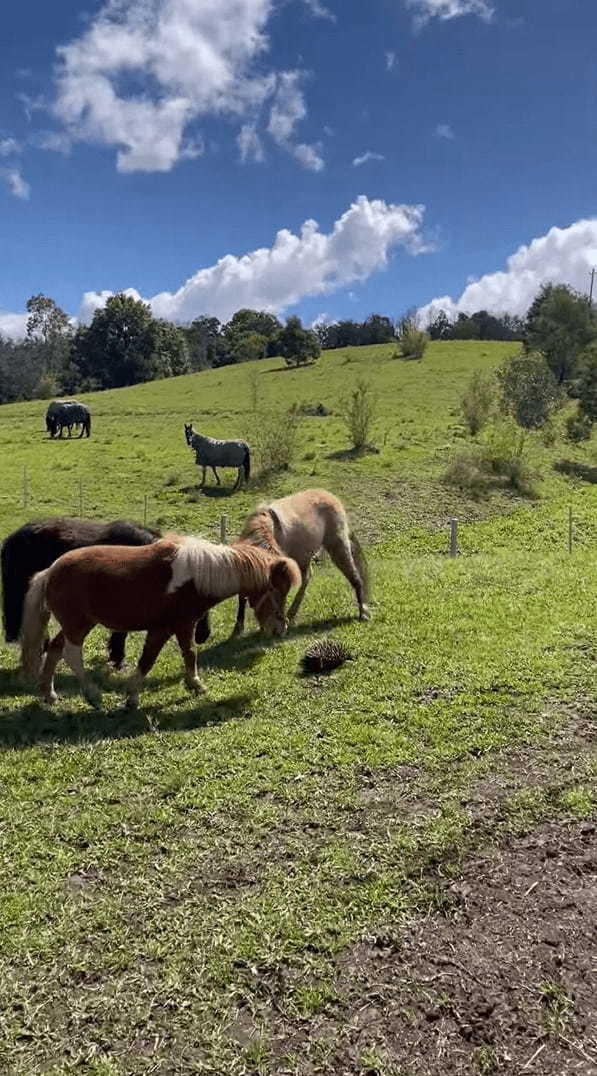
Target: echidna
x,y
323,656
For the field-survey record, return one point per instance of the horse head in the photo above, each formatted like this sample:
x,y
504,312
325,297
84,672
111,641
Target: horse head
x,y
269,607
188,432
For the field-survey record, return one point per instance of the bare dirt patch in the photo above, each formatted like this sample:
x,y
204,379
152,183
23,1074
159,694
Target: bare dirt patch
x,y
507,982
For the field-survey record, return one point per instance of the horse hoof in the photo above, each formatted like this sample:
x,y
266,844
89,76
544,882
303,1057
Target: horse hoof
x,y
364,615
131,702
196,687
50,698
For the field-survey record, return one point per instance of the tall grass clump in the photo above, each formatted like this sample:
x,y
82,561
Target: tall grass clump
x,y
479,402
498,463
412,342
276,440
358,412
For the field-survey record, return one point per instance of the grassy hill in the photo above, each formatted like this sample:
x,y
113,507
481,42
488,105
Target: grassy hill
x,y
222,886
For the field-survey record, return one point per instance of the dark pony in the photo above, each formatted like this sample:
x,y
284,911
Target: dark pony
x,y
35,546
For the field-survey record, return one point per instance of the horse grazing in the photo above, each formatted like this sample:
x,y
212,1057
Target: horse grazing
x,y
300,526
35,546
163,588
64,414
212,453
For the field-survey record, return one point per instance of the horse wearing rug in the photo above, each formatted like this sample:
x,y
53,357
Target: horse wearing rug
x,y
35,546
300,526
163,588
63,414
212,453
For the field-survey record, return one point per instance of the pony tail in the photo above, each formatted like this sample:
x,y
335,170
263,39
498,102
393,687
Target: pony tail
x,y
35,621
247,464
361,565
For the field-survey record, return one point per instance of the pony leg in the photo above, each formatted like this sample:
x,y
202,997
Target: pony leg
x,y
341,553
202,629
184,635
217,476
239,627
306,574
53,655
154,642
203,478
116,648
73,655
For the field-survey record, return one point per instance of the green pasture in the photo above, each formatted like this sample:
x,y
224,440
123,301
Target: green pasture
x,y
179,884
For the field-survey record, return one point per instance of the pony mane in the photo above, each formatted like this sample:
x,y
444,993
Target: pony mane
x,y
217,570
259,531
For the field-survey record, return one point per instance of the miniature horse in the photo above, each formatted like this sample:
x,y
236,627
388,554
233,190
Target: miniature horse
x,y
36,545
299,526
163,588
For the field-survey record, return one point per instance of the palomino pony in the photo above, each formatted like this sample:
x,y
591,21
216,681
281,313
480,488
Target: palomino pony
x,y
300,526
164,589
36,545
212,453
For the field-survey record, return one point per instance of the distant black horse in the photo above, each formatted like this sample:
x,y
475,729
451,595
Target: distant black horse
x,y
64,414
35,546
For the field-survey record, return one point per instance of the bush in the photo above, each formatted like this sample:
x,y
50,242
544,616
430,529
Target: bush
x,y
466,472
478,402
412,343
497,464
579,427
358,413
275,441
529,391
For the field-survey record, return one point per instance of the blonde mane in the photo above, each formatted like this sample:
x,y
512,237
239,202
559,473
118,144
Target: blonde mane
x,y
218,570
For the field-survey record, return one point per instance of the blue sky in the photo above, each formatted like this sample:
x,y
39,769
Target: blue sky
x,y
123,127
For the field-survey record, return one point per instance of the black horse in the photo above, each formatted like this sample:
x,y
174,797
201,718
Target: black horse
x,y
35,546
64,414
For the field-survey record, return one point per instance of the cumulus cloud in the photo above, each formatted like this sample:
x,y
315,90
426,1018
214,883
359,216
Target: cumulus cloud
x,y
563,256
144,72
296,266
425,10
443,130
368,156
13,179
319,10
287,111
13,326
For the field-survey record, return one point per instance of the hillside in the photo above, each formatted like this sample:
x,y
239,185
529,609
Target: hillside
x,y
223,886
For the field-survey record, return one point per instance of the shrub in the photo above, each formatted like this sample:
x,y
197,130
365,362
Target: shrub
x,y
579,427
478,402
529,391
465,471
276,440
499,463
358,413
412,343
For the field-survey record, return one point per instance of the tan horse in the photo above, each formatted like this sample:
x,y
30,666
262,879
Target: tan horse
x,y
300,526
164,589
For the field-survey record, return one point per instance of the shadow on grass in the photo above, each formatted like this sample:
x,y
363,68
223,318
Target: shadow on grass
x,y
195,492
574,469
38,724
353,453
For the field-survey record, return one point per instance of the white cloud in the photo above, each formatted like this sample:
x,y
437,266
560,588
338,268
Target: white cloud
x,y
144,71
57,141
249,143
424,10
322,319
563,256
443,130
287,111
13,179
390,60
9,147
368,156
320,11
13,326
296,266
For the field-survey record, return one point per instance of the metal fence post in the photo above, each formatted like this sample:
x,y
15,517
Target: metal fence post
x,y
223,522
453,537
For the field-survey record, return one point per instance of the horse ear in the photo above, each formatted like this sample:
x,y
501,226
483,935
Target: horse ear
x,y
284,575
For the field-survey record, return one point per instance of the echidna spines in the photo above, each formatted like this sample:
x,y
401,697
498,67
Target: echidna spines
x,y
325,655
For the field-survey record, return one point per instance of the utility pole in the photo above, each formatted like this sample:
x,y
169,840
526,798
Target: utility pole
x,y
591,291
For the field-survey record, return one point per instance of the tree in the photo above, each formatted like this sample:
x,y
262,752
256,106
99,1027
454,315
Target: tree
x,y
439,327
560,323
202,337
249,346
170,351
377,329
297,345
529,391
49,329
253,322
125,344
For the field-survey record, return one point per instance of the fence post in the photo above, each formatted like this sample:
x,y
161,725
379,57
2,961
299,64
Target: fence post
x,y
25,489
570,529
223,522
81,497
145,510
453,537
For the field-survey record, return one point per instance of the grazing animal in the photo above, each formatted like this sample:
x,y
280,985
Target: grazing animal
x,y
64,414
212,453
163,588
299,526
35,546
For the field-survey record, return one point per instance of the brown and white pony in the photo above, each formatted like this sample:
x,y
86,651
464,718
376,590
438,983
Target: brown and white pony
x,y
164,589
299,526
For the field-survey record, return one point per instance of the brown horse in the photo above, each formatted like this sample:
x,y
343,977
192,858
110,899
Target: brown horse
x,y
300,526
164,589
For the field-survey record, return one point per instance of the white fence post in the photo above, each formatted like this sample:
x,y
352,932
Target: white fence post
x,y
453,537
